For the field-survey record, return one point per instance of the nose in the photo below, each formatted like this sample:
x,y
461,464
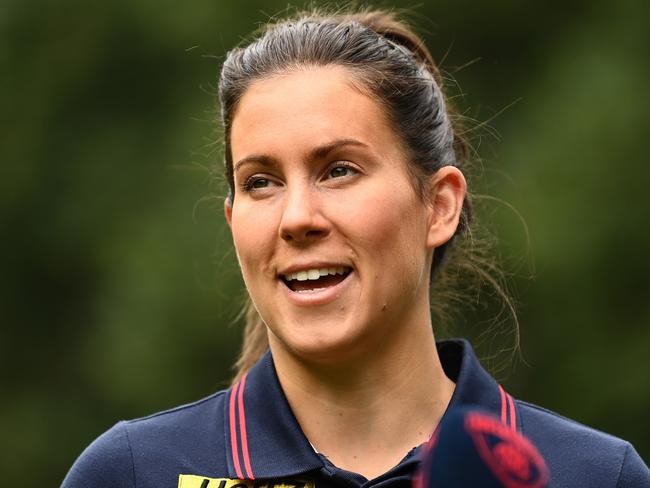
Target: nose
x,y
302,217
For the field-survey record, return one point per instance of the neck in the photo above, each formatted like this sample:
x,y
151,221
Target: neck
x,y
366,414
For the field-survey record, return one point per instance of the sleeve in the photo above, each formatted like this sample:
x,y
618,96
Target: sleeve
x,y
634,472
107,462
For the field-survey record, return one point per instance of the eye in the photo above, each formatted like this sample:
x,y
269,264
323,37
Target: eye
x,y
256,183
340,169
259,183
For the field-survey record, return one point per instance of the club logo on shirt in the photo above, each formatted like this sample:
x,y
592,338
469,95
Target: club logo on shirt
x,y
194,481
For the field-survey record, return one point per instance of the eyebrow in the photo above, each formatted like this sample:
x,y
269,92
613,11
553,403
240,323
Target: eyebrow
x,y
316,153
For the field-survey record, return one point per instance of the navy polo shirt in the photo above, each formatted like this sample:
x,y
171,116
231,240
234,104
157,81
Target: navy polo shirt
x,y
248,437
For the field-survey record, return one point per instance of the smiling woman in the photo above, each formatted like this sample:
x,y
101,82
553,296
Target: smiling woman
x,y
347,194
322,182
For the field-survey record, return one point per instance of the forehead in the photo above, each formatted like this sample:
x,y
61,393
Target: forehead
x,y
306,108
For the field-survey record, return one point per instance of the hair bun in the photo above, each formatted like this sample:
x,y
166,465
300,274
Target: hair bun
x,y
388,25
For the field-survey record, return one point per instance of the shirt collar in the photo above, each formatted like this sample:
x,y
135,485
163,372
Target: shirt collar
x,y
474,385
263,437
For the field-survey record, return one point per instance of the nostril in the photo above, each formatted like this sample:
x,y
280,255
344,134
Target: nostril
x,y
306,230
302,218
298,236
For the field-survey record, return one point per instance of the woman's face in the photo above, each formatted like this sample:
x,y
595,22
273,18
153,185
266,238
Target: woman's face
x,y
333,241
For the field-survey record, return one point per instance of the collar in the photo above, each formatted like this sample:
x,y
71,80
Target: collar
x,y
474,386
263,437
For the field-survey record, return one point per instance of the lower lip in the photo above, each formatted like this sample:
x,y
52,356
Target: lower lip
x,y
318,296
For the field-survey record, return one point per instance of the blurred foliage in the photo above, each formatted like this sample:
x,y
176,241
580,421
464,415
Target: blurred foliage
x,y
119,291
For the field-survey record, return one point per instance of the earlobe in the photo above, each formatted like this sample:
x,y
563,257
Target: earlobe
x,y
448,189
227,210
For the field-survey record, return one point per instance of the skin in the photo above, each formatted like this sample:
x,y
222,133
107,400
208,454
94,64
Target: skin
x,y
321,180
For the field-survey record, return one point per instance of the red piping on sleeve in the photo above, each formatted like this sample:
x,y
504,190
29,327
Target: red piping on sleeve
x,y
242,429
233,432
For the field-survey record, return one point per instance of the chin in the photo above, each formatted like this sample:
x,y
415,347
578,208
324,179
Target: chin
x,y
332,343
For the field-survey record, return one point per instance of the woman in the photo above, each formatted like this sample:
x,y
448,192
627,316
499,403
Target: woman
x,y
347,193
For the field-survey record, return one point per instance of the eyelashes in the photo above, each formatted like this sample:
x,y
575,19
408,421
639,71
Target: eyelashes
x,y
334,169
255,182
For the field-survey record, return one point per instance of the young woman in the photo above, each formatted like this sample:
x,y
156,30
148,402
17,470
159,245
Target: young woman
x,y
347,193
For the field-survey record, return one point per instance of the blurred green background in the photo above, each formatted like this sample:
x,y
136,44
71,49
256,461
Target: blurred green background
x,y
120,292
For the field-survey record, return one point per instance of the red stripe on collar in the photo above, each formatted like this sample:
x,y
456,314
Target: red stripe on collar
x,y
233,432
238,411
504,417
242,429
234,449
508,412
513,414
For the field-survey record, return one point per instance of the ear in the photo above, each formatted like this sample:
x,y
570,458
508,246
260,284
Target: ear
x,y
447,193
227,210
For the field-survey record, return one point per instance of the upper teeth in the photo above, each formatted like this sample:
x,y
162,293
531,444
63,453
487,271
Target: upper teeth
x,y
314,274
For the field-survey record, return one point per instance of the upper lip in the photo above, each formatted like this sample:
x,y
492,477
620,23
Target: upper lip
x,y
315,265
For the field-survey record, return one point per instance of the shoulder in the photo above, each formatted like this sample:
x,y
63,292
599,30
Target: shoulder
x,y
105,462
578,455
156,447
184,424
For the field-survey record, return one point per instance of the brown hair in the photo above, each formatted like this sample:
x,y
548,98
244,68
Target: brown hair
x,y
390,63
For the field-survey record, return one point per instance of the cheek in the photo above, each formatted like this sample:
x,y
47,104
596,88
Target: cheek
x,y
390,226
252,235
388,218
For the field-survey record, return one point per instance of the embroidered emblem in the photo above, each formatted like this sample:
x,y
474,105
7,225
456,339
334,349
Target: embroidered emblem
x,y
512,459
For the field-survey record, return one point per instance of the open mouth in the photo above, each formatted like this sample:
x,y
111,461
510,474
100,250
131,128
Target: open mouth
x,y
311,280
